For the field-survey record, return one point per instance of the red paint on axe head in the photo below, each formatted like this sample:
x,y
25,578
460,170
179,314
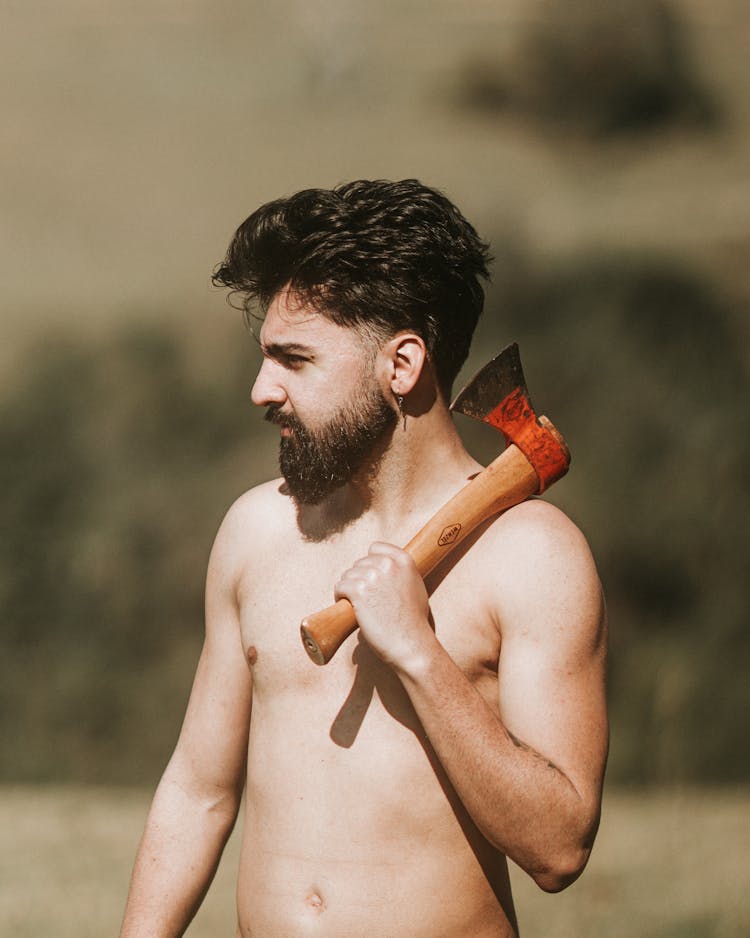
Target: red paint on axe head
x,y
497,395
537,439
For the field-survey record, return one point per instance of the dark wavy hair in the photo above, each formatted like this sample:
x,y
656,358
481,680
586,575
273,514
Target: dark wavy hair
x,y
377,255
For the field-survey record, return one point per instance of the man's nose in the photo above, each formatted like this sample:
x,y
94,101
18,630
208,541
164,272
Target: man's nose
x,y
267,389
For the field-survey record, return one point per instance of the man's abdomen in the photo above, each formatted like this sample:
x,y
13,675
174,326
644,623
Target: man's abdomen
x,y
365,841
283,896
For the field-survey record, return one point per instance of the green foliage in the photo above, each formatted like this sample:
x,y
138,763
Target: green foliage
x,y
115,468
601,68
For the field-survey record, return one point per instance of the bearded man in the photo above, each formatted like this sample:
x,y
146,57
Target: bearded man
x,y
464,723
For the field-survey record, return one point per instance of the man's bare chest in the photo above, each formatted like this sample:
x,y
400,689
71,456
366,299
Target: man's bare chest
x,y
285,586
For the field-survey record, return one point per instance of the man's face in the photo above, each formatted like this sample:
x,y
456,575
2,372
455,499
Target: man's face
x,y
318,383
315,462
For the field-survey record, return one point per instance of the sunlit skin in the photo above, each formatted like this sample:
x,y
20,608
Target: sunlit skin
x,y
462,724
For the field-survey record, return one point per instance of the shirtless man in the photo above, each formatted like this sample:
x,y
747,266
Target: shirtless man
x,y
464,723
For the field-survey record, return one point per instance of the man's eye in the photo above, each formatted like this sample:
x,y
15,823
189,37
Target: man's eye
x,y
294,361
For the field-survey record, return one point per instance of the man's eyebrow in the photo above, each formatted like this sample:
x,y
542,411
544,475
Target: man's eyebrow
x,y
280,349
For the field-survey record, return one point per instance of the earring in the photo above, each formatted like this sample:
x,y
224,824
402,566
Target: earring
x,y
401,408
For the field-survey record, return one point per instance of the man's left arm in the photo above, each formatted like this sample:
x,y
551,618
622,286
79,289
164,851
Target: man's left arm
x,y
530,774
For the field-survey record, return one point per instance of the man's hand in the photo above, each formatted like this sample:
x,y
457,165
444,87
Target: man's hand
x,y
390,600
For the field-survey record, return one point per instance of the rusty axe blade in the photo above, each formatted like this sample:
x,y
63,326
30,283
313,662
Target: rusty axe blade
x,y
497,395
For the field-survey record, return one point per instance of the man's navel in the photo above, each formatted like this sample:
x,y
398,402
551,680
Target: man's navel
x,y
314,901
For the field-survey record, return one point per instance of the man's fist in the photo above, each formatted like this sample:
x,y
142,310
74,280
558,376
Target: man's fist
x,y
390,600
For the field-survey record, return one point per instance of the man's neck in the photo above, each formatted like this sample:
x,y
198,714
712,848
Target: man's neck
x,y
424,464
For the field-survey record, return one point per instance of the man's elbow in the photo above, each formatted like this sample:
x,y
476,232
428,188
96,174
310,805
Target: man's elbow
x,y
219,802
562,863
224,806
562,871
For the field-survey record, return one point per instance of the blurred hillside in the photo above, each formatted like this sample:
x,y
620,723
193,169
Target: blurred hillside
x,y
604,149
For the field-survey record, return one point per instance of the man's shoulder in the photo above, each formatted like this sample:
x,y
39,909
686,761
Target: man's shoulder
x,y
262,519
537,563
263,504
536,527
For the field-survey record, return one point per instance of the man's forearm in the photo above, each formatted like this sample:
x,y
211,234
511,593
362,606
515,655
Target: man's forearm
x,y
176,861
522,803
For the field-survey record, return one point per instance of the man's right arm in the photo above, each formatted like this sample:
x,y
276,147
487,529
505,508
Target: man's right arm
x,y
197,800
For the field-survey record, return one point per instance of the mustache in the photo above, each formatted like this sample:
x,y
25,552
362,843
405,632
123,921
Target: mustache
x,y
275,415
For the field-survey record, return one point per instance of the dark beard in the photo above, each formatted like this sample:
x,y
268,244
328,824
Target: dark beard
x,y
315,463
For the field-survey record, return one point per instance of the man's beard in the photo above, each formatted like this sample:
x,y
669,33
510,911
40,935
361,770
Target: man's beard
x,y
315,463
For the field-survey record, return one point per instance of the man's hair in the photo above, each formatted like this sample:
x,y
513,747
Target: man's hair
x,y
376,255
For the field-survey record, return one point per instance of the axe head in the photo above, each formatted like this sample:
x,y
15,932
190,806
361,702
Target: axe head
x,y
497,395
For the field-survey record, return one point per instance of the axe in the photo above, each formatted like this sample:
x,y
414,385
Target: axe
x,y
534,458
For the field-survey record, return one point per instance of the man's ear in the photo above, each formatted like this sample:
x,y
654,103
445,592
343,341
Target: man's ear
x,y
404,357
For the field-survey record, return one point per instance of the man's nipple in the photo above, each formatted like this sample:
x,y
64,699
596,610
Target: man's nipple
x,y
252,655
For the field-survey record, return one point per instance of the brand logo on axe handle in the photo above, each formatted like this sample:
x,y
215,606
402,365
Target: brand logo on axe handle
x,y
449,535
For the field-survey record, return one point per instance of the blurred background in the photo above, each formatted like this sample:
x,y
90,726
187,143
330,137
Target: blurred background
x,y
604,150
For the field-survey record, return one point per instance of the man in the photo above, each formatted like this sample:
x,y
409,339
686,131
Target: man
x,y
464,722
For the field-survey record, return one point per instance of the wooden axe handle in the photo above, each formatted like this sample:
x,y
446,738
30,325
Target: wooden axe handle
x,y
507,481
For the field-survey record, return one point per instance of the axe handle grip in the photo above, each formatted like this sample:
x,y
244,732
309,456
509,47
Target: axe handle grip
x,y
507,481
